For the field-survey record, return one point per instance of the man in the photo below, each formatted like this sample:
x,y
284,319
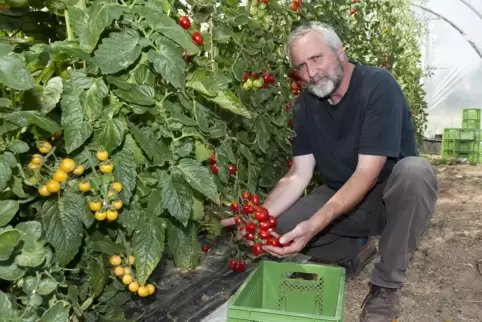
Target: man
x,y
354,124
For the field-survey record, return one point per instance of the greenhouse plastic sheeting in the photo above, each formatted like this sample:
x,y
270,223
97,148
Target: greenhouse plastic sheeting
x,y
456,67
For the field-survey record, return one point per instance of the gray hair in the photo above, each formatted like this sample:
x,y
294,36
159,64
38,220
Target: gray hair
x,y
326,31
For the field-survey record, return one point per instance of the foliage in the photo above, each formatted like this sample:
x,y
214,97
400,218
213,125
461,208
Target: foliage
x,y
119,129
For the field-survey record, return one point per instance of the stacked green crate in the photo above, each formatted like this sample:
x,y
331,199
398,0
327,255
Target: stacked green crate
x,y
462,144
471,118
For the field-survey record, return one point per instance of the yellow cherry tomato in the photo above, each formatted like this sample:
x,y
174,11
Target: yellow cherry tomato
x,y
60,175
133,287
68,165
111,193
127,279
112,215
132,260
53,186
127,270
151,288
115,260
79,170
143,291
117,204
32,180
102,155
33,166
117,186
106,167
119,271
100,215
43,191
37,159
95,205
84,186
44,147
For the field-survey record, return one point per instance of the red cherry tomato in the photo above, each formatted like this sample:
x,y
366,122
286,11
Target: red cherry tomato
x,y
272,221
289,163
212,159
248,209
197,38
185,22
205,248
235,206
263,234
255,199
254,75
264,225
271,78
272,241
257,249
233,264
245,196
238,220
249,236
232,169
260,216
214,168
246,76
242,228
250,227
290,123
241,267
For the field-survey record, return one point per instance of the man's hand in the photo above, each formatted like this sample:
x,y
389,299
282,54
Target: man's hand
x,y
298,237
241,233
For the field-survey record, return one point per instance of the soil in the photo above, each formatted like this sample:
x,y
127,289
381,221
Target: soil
x,y
444,281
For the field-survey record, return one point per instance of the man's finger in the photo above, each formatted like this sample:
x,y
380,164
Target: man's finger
x,y
291,235
227,222
274,234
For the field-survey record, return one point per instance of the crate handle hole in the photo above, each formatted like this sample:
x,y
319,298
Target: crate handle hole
x,y
302,276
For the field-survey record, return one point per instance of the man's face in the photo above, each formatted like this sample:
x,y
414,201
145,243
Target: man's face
x,y
317,64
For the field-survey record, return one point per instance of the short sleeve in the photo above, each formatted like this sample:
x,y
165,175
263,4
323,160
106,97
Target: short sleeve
x,y
301,141
382,123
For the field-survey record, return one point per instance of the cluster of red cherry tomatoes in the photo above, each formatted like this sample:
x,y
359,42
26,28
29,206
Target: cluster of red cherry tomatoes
x,y
196,37
214,166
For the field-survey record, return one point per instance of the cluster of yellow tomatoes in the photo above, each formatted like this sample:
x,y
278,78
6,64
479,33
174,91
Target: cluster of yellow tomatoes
x,y
125,273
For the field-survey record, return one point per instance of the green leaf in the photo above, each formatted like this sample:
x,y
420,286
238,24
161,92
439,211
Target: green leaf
x,y
51,94
17,188
45,123
93,102
199,178
138,94
76,130
184,245
46,286
197,209
201,81
117,52
125,173
100,16
5,174
262,134
130,217
202,152
242,20
14,74
32,254
4,50
177,197
83,211
5,102
239,68
6,308
63,226
106,246
148,245
59,312
219,129
8,209
144,141
228,100
10,271
154,203
169,28
111,135
131,145
97,275
169,63
9,159
18,146
8,241
243,149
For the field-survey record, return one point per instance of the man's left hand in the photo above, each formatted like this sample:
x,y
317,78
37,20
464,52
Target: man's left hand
x,y
298,237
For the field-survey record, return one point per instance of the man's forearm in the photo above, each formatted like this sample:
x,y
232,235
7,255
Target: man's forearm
x,y
347,197
286,192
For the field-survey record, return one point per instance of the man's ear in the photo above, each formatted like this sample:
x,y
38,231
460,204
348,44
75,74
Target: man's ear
x,y
341,54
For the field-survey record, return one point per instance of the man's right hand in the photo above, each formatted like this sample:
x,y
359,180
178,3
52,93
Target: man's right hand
x,y
241,233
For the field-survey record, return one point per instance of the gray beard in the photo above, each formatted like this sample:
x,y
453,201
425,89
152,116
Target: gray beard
x,y
331,83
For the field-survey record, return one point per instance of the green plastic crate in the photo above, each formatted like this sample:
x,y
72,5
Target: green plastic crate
x,y
471,124
451,134
471,114
467,134
460,146
270,294
475,157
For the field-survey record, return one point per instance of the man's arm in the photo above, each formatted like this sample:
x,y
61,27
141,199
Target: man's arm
x,y
352,192
291,186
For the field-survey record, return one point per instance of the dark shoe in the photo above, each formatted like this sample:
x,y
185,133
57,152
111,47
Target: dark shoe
x,y
355,266
381,305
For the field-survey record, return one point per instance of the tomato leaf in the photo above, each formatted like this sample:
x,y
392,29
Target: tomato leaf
x,y
93,102
8,313
138,94
14,74
199,178
32,251
8,209
167,61
9,271
131,145
111,135
148,245
8,241
144,142
125,173
130,217
201,81
184,245
76,130
44,123
58,312
176,197
5,174
51,94
18,146
117,52
97,275
63,226
228,100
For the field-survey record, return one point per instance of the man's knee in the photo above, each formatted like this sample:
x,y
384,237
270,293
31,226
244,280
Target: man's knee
x,y
415,170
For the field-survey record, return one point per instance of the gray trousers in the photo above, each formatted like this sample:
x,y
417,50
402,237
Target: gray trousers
x,y
398,210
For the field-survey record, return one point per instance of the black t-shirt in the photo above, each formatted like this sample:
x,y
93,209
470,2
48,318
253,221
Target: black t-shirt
x,y
372,118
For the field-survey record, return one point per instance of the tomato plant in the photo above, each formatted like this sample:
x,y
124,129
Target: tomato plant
x,y
121,121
